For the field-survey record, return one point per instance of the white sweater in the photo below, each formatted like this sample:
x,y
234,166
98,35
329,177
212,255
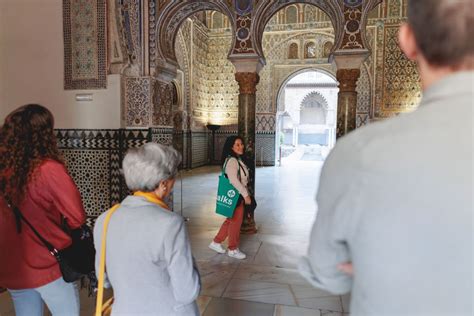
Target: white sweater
x,y
232,171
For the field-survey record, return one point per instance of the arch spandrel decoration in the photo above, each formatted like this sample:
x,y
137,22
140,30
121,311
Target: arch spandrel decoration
x,y
265,10
348,18
173,15
370,5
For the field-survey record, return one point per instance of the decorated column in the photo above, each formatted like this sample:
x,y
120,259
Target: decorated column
x,y
348,72
247,68
247,100
346,100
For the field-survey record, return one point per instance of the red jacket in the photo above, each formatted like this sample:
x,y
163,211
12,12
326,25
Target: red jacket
x,y
24,261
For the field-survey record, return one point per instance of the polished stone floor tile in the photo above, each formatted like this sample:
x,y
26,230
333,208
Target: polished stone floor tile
x,y
331,313
264,292
251,287
307,296
282,310
269,274
215,276
229,307
280,254
346,301
202,303
331,303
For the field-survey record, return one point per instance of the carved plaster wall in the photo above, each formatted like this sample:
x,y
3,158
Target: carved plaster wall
x,y
384,88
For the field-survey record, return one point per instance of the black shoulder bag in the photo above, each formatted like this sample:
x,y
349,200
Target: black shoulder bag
x,y
75,261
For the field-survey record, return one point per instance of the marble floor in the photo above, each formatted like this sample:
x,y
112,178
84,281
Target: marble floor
x,y
267,282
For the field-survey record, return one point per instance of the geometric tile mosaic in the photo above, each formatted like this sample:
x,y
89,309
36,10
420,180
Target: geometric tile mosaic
x,y
90,170
85,44
94,157
199,143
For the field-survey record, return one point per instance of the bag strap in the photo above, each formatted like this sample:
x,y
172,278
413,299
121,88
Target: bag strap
x,y
19,216
100,293
225,164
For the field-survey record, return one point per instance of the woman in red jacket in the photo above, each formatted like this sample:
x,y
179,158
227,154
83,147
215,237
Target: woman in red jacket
x,y
34,178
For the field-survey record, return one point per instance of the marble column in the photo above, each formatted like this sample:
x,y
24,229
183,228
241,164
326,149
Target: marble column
x,y
247,101
348,62
346,101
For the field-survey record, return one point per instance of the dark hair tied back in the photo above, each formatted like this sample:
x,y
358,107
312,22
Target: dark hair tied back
x,y
227,150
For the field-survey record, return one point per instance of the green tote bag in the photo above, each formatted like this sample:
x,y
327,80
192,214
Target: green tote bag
x,y
227,195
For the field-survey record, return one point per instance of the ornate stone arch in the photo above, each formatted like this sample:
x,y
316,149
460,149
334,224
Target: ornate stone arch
x,y
170,19
316,101
182,57
294,38
310,50
266,9
291,7
293,50
282,84
371,4
315,96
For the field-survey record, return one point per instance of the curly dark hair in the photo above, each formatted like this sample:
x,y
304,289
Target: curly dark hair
x,y
227,150
26,140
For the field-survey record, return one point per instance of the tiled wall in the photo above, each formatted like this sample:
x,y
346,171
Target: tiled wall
x,y
200,149
94,157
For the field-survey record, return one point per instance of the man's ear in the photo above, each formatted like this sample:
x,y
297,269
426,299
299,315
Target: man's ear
x,y
407,42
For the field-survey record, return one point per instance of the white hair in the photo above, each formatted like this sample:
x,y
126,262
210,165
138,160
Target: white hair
x,y
145,167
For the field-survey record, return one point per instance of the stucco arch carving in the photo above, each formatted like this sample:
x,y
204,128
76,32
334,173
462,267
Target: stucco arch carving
x,y
294,39
169,21
315,96
266,9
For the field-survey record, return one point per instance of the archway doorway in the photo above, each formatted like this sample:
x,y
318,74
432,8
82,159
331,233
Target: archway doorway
x,y
306,116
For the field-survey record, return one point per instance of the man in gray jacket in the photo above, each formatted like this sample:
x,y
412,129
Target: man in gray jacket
x,y
394,222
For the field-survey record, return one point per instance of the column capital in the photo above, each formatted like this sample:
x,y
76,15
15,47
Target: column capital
x,y
347,79
247,82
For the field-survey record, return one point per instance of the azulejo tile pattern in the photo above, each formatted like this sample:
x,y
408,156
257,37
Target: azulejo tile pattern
x,y
93,158
85,44
137,94
199,145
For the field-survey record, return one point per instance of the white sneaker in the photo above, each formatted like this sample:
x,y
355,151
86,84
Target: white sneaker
x,y
237,254
216,247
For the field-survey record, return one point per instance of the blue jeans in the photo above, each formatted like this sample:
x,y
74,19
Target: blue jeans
x,y
61,298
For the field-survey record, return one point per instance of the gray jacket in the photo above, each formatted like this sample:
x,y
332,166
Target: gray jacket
x,y
395,198
148,260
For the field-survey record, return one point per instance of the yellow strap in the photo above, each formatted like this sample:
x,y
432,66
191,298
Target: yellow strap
x,y
100,293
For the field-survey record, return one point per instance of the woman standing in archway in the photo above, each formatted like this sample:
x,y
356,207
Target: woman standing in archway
x,y
238,175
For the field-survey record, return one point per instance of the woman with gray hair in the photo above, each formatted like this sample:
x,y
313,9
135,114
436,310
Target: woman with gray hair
x,y
148,256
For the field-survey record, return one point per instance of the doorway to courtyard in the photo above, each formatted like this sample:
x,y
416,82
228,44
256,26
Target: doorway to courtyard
x,y
306,116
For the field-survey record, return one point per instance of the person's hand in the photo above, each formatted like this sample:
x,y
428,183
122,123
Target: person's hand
x,y
247,200
346,268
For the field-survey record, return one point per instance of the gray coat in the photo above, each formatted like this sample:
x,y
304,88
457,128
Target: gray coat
x,y
148,260
395,198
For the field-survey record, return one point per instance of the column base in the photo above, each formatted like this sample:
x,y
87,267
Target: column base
x,y
248,226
